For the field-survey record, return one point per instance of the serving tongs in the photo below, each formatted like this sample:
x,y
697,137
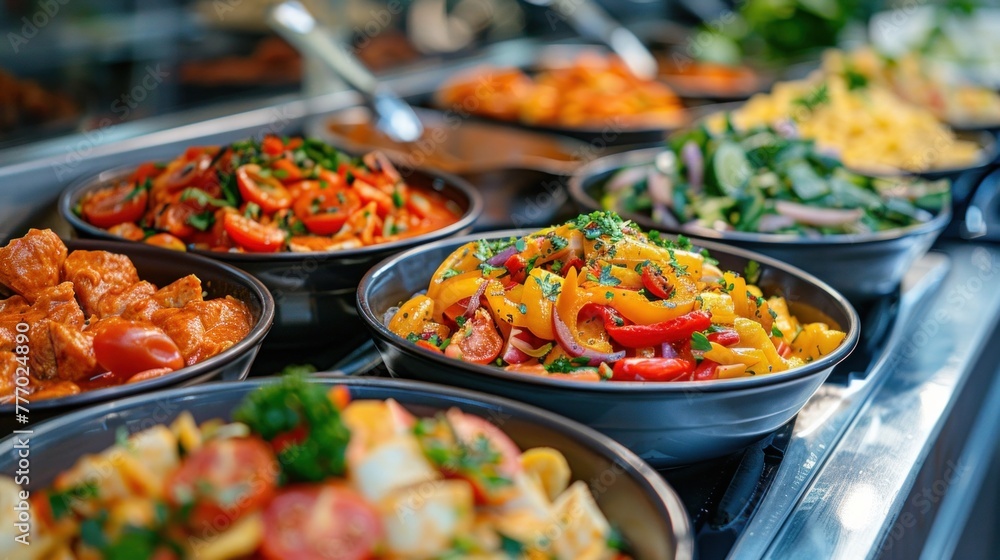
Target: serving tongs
x,y
590,20
297,25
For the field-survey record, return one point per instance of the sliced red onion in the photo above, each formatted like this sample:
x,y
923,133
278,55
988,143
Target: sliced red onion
x,y
773,222
389,314
817,216
694,160
521,346
660,189
474,301
500,258
664,216
565,338
786,128
511,353
667,350
626,178
378,162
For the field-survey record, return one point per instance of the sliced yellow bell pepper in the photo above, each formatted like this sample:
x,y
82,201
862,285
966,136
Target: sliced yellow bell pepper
x,y
501,306
461,260
752,335
787,323
636,308
412,316
726,356
737,288
721,307
453,291
815,341
541,289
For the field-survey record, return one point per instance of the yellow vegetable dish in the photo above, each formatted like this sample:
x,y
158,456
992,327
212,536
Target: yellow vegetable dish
x,y
304,473
911,77
865,124
596,299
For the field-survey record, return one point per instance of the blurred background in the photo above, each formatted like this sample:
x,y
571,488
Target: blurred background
x,y
73,65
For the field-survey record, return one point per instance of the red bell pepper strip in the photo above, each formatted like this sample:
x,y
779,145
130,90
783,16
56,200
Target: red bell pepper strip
x,y
706,370
726,337
652,369
638,336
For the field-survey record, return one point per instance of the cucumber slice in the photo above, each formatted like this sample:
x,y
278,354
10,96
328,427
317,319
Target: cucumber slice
x,y
731,167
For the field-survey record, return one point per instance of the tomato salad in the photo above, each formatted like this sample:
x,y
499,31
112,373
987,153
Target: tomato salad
x,y
278,194
597,299
308,474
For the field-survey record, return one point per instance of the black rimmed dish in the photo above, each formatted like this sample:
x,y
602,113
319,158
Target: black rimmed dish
x,y
313,292
218,280
633,497
862,267
667,424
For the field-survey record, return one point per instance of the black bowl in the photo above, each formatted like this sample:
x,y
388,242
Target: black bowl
x,y
218,280
862,267
314,292
667,424
633,496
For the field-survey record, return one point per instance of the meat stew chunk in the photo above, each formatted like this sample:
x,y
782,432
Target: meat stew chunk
x,y
32,263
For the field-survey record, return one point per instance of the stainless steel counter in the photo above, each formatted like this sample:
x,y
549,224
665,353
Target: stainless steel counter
x,y
870,462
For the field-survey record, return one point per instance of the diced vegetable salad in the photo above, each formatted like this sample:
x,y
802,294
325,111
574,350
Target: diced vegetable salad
x,y
306,473
766,180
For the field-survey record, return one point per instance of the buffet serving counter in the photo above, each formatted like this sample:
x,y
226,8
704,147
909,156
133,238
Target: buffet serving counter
x,y
886,459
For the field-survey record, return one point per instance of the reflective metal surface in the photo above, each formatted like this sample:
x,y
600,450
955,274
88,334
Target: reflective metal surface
x,y
857,448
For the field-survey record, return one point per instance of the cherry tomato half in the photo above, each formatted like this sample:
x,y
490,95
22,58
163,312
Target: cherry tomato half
x,y
656,283
224,479
253,236
125,348
325,211
477,341
115,205
166,241
265,191
469,428
310,522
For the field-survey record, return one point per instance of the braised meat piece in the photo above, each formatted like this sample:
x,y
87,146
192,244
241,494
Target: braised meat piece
x,y
175,294
180,292
97,274
74,351
136,295
203,329
54,305
11,310
8,372
32,263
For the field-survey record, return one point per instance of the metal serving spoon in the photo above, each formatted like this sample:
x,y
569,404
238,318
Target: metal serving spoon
x,y
394,116
590,20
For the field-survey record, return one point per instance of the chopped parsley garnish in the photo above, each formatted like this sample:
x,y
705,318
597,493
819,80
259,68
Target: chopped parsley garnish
x,y
562,364
450,273
202,198
523,309
61,502
549,289
203,221
597,224
815,98
606,278
775,331
397,199
520,245
752,272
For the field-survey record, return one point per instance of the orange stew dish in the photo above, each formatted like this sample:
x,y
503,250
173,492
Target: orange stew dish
x,y
278,194
592,91
84,320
